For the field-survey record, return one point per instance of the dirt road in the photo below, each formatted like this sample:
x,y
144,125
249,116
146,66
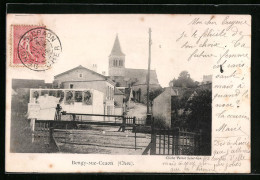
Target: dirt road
x,y
138,110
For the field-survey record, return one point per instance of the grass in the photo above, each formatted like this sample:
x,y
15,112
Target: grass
x,y
21,138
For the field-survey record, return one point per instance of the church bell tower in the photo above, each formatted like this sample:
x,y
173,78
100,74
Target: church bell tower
x,y
116,60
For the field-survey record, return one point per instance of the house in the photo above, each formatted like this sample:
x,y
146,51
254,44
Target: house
x,y
43,103
136,79
21,90
84,78
162,104
207,79
128,96
166,105
119,102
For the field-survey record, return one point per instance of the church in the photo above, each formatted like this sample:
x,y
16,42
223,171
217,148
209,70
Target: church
x,y
136,79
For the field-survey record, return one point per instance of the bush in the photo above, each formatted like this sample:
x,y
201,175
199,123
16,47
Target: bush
x,y
142,129
20,101
160,122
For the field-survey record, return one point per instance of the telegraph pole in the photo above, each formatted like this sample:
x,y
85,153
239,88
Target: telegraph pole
x,y
148,78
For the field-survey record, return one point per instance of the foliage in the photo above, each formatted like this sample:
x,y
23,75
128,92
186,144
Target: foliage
x,y
160,122
200,110
20,101
179,108
184,80
193,111
154,93
200,117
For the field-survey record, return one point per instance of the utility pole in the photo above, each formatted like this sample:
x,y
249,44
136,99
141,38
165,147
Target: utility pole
x,y
148,78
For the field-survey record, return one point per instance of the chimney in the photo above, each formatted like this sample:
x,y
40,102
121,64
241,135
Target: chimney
x,y
94,67
103,73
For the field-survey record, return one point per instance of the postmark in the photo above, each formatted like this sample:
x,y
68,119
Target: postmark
x,y
37,48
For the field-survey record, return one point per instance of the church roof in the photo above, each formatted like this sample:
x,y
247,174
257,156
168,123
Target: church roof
x,y
116,50
139,76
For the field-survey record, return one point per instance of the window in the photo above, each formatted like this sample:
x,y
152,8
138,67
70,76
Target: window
x,y
110,93
69,97
107,92
78,96
120,63
87,98
71,86
80,75
108,110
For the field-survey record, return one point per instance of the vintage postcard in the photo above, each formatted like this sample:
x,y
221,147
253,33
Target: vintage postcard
x,y
135,93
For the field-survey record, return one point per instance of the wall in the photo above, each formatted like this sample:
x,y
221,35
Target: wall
x,y
48,105
119,111
116,70
101,86
74,76
119,100
144,90
162,106
98,105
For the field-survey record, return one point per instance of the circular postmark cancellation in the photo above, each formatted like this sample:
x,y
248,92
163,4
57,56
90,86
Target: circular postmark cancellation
x,y
39,48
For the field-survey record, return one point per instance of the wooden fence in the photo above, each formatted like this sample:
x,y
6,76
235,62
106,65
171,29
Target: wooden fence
x,y
174,141
133,120
44,128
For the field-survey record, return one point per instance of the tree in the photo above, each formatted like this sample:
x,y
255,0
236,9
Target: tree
x,y
154,93
179,108
200,117
200,107
184,80
184,75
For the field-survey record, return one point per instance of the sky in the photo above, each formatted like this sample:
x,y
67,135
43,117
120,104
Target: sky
x,y
88,39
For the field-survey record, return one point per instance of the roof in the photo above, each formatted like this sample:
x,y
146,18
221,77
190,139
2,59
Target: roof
x,y
205,86
139,75
181,92
118,92
116,50
80,67
27,83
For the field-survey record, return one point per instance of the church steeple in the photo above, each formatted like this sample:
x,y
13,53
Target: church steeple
x,y
116,60
116,50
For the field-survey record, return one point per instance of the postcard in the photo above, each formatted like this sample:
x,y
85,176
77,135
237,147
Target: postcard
x,y
128,93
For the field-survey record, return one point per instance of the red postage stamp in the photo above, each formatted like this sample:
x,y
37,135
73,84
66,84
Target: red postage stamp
x,y
34,47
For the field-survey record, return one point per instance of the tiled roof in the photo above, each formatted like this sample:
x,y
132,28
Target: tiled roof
x,y
139,75
116,50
